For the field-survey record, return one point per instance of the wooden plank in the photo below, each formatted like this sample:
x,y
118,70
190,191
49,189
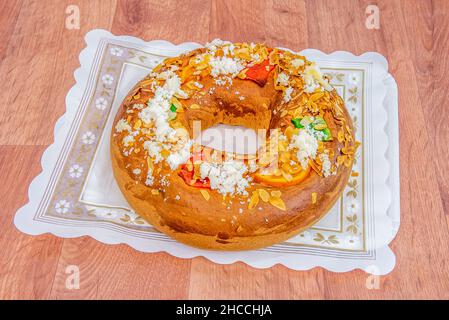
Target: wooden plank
x,y
340,25
118,272
8,22
37,70
175,21
239,281
27,264
434,95
260,21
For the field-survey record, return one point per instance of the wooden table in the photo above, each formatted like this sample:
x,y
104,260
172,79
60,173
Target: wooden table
x,y
38,55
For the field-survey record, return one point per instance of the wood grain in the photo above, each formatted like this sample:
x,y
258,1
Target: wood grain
x,y
110,271
28,264
38,56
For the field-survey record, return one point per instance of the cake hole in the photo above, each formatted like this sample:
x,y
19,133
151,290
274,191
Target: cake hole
x,y
232,139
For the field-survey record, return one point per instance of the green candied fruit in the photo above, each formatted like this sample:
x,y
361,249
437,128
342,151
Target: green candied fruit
x,y
315,125
297,123
302,122
172,112
327,136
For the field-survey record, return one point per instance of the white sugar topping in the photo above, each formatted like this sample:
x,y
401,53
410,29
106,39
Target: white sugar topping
x,y
288,94
307,146
226,177
177,158
154,150
326,164
313,79
297,63
150,179
282,79
225,66
122,125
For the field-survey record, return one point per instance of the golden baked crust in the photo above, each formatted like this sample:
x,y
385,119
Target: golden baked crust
x,y
205,217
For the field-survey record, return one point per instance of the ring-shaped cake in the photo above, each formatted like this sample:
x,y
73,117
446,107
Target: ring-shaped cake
x,y
220,200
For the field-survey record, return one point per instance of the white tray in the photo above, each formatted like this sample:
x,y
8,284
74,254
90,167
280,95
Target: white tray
x,y
76,194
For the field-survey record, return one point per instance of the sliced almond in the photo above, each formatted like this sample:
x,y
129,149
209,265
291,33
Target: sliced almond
x,y
348,137
316,96
202,66
138,124
176,103
254,200
341,159
348,150
347,162
242,74
191,85
264,195
276,193
285,157
314,197
315,167
205,194
154,192
320,127
340,136
165,153
278,203
290,131
146,82
183,95
185,73
150,163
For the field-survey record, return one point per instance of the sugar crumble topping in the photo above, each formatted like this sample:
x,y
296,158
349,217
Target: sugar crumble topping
x,y
227,177
306,146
